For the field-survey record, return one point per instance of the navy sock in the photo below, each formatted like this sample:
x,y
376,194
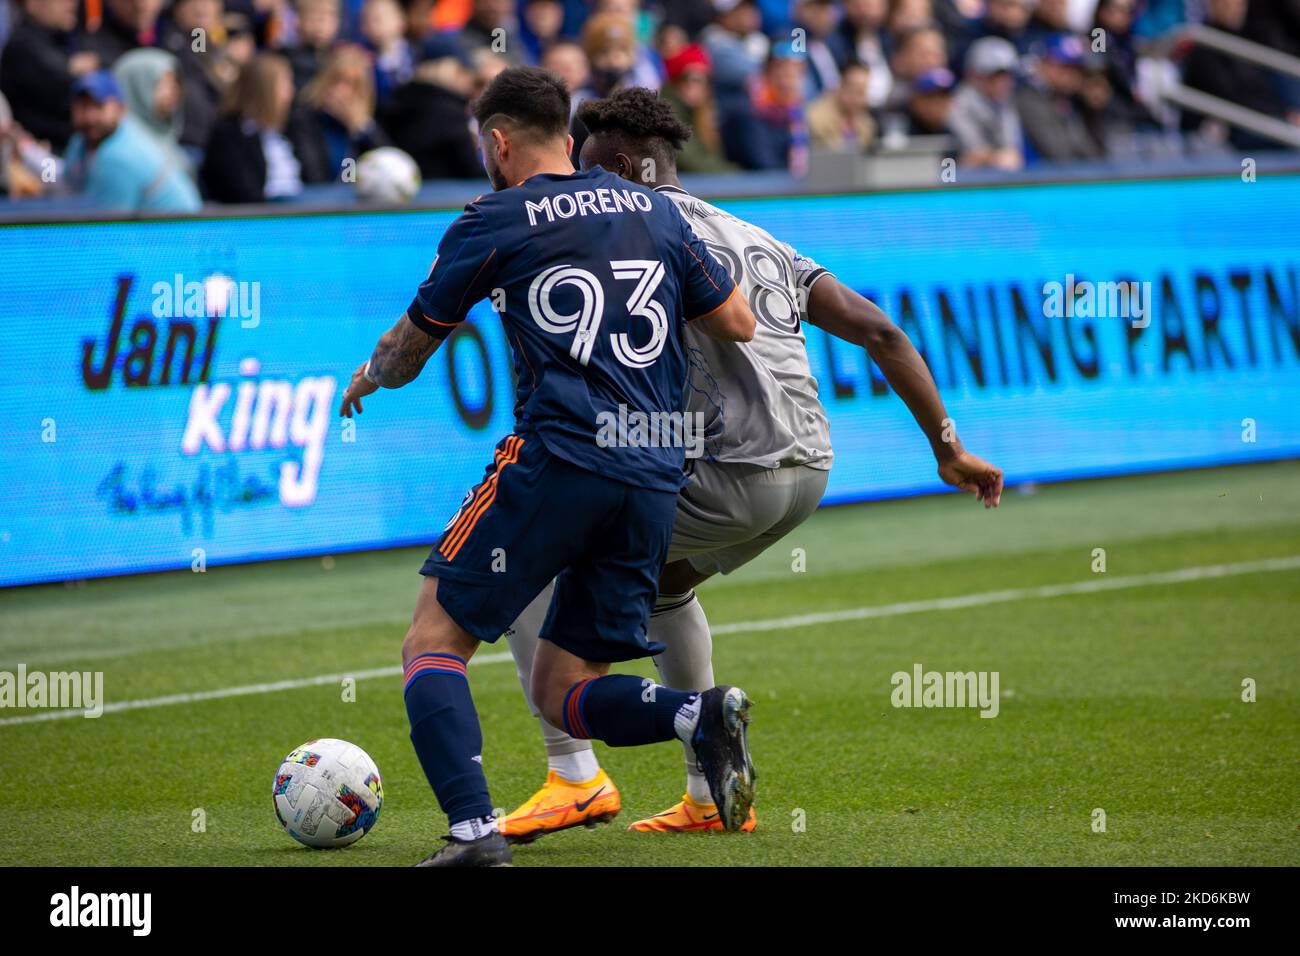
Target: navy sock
x,y
446,735
622,710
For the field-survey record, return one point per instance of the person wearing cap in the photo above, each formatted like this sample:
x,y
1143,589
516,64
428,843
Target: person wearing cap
x,y
1048,104
689,93
929,106
614,52
984,118
840,120
114,161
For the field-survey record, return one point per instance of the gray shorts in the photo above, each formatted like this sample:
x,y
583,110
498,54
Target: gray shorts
x,y
732,512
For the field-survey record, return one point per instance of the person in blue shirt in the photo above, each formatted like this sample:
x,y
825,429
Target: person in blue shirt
x,y
115,161
594,279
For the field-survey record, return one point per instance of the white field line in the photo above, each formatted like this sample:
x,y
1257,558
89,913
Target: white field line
x,y
981,599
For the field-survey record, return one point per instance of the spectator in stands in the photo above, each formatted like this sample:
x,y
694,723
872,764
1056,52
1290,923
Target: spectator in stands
x,y
493,25
690,94
429,116
38,67
915,52
318,29
114,161
1048,103
1049,18
737,48
485,66
609,40
773,134
1116,19
984,118
818,19
249,159
335,116
907,15
206,70
567,60
929,106
1232,79
860,38
151,89
21,158
1276,23
540,22
840,119
383,26
1007,20
648,71
126,25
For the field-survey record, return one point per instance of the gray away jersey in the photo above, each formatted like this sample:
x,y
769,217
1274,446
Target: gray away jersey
x,y
758,398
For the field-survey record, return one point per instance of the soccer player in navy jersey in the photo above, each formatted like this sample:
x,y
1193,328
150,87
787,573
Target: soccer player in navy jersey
x,y
594,279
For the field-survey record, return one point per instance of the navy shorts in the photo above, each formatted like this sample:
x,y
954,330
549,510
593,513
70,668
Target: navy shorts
x,y
536,517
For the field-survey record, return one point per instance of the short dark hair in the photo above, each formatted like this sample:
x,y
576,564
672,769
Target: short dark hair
x,y
637,116
529,96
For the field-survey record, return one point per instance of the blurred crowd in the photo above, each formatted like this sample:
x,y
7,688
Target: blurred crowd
x,y
166,103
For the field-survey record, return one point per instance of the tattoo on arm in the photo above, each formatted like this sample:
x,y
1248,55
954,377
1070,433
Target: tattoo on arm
x,y
400,354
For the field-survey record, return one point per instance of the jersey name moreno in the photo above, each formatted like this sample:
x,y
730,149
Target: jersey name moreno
x,y
594,279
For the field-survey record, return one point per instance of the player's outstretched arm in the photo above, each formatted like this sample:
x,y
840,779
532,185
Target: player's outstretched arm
x,y
733,321
398,358
839,310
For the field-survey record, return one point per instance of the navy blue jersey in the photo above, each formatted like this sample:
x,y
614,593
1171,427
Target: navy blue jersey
x,y
594,278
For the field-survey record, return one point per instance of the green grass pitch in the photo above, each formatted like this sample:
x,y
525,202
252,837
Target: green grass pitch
x,y
1127,699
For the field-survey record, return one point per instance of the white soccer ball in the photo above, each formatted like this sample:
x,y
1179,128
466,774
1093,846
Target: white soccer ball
x,y
387,175
328,793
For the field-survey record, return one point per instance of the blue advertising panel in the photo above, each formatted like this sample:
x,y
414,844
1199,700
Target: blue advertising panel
x,y
169,390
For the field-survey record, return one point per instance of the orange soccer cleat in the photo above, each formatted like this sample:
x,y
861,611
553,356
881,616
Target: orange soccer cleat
x,y
689,816
562,804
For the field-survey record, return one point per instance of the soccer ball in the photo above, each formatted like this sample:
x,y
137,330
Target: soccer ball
x,y
327,793
387,175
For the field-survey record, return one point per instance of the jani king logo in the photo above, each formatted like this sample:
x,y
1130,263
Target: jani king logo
x,y
249,415
75,908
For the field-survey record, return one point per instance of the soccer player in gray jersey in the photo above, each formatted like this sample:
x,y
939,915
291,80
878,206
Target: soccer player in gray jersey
x,y
766,450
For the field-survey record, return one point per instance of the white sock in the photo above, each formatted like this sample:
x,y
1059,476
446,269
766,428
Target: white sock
x,y
574,760
678,622
474,829
686,720
577,767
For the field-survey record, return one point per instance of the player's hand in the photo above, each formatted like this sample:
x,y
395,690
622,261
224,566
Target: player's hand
x,y
972,473
359,388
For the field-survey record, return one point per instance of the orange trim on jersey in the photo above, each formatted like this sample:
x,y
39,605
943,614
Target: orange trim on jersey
x,y
460,534
450,325
701,263
719,306
490,257
477,496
